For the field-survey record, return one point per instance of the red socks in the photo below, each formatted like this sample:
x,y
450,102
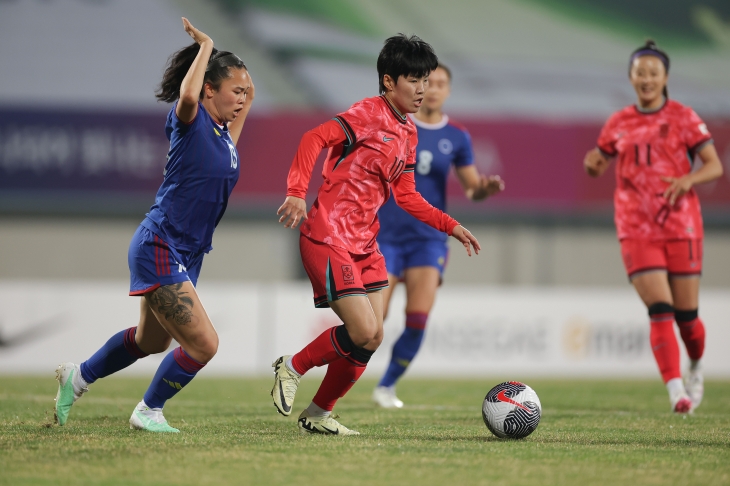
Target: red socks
x,y
341,376
663,341
692,331
328,347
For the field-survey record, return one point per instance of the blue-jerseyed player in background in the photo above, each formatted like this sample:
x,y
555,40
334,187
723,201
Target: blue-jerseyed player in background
x,y
414,252
213,94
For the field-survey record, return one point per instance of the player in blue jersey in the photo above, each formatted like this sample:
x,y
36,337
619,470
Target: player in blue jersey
x,y
414,252
212,92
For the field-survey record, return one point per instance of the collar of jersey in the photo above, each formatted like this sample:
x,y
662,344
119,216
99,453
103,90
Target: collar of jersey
x,y
394,110
430,126
651,112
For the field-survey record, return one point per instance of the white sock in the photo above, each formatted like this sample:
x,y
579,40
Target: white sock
x,y
675,387
315,410
694,365
79,382
290,367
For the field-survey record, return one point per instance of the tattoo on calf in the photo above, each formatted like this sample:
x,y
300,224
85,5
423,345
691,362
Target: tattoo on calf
x,y
175,305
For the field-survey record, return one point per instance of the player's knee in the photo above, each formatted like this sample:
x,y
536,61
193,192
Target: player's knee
x,y
206,348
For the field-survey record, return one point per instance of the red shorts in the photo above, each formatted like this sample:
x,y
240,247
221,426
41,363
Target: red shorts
x,y
336,273
676,257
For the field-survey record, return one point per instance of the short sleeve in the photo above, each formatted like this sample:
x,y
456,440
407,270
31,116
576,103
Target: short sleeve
x,y
608,137
359,121
174,124
694,132
465,153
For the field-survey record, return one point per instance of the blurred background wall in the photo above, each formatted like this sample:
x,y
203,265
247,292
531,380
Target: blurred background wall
x,y
82,142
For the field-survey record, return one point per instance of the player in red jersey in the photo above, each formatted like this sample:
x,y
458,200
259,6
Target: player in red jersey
x,y
371,152
657,213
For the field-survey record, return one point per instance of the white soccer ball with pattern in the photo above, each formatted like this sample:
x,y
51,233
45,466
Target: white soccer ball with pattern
x,y
511,410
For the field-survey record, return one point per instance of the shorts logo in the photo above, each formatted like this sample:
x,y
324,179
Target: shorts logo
x,y
347,275
181,268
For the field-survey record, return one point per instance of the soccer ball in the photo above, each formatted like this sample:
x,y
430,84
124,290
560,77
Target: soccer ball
x,y
511,410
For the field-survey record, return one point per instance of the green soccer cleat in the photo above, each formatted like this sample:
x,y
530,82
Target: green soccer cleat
x,y
70,388
322,425
285,386
150,419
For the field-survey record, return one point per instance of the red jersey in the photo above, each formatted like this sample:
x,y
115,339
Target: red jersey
x,y
648,146
372,150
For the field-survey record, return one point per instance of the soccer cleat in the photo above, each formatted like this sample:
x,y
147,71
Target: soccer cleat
x,y
70,388
322,425
385,397
285,386
151,419
681,403
695,386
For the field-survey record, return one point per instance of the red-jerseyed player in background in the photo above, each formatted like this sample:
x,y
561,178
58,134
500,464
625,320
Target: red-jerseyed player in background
x,y
657,213
372,149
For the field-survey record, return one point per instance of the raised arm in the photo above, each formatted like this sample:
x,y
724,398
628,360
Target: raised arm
x,y
192,83
235,127
294,208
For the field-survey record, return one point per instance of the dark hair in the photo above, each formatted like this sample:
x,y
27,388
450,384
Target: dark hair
x,y
405,56
650,49
179,64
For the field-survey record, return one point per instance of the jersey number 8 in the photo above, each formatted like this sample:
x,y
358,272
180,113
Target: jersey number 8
x,y
425,158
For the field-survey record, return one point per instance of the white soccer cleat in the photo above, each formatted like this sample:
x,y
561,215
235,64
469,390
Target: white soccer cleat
x,y
150,419
285,387
695,386
681,402
71,386
385,397
322,425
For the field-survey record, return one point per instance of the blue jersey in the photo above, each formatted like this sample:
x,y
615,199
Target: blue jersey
x,y
440,145
201,171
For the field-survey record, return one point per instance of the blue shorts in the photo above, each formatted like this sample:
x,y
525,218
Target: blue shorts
x,y
153,263
416,253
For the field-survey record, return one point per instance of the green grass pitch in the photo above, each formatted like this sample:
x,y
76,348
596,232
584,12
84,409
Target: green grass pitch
x,y
592,432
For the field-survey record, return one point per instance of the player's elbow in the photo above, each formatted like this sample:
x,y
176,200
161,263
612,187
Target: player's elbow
x,y
188,98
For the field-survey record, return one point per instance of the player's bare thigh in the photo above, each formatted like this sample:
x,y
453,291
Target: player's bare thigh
x,y
653,287
363,318
421,285
388,293
151,337
180,312
685,291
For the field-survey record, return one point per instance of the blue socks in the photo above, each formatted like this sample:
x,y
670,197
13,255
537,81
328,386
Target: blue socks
x,y
120,351
405,348
176,370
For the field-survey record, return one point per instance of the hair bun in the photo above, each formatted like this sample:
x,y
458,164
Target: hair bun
x,y
650,44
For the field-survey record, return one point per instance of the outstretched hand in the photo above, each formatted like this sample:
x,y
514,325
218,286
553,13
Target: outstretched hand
x,y
292,211
488,186
467,239
197,35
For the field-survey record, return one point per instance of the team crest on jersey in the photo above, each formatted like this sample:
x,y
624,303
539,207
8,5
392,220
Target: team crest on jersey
x,y
347,275
445,146
664,130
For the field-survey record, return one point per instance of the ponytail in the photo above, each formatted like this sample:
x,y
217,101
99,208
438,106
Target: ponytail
x,y
179,64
